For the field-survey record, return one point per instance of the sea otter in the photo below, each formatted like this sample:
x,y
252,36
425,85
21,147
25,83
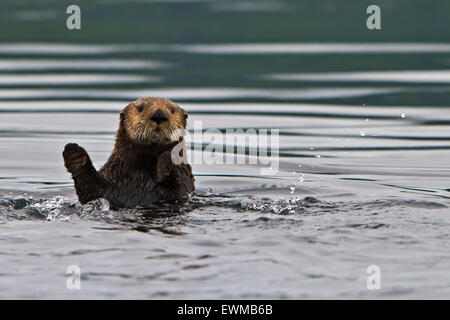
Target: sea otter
x,y
140,170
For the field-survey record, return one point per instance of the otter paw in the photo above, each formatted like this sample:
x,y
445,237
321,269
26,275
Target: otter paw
x,y
75,158
164,166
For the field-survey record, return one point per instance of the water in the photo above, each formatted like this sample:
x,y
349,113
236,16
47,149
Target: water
x,y
363,176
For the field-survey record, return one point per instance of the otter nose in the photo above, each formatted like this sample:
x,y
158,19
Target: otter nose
x,y
159,116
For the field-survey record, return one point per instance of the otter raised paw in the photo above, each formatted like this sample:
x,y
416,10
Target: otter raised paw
x,y
89,184
140,170
76,158
164,166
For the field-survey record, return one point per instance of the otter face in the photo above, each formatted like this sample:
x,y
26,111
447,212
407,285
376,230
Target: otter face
x,y
153,120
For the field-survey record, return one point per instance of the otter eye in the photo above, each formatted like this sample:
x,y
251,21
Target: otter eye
x,y
172,109
140,108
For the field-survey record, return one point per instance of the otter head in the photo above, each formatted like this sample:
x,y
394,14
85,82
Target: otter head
x,y
153,120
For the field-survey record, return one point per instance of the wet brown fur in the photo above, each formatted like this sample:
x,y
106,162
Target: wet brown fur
x,y
139,171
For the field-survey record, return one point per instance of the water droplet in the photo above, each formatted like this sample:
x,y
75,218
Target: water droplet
x,y
403,115
367,120
311,148
301,178
292,188
362,133
318,156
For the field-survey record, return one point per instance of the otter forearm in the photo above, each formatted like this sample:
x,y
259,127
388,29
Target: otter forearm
x,y
90,185
164,166
183,177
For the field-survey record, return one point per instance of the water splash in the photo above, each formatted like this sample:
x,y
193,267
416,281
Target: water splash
x,y
63,209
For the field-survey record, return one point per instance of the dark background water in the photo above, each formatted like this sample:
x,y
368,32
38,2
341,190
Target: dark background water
x,y
245,22
364,129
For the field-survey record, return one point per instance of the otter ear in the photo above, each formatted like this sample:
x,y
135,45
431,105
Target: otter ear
x,y
123,112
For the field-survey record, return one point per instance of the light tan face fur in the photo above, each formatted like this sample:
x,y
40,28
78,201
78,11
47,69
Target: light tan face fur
x,y
137,121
